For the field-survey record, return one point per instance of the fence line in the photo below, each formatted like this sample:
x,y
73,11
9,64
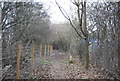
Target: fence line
x,y
44,50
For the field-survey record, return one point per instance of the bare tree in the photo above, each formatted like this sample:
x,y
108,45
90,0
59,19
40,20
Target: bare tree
x,y
82,31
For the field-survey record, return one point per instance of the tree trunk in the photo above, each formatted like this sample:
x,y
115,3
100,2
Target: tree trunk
x,y
86,64
86,60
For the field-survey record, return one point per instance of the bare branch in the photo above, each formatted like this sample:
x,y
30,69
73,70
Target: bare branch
x,y
68,18
75,3
72,2
75,29
61,9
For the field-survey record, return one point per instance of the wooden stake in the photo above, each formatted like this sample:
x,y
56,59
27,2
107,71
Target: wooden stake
x,y
41,50
32,56
48,49
18,62
51,48
70,57
45,51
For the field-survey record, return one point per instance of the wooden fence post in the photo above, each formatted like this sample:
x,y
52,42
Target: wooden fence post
x,y
45,51
41,50
32,56
18,62
48,49
51,48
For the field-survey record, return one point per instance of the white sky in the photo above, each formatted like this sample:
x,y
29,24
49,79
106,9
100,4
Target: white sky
x,y
56,15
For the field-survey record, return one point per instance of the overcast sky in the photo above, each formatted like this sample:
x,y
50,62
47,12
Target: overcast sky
x,y
56,15
54,12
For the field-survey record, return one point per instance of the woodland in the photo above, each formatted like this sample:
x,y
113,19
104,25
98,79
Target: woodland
x,y
86,46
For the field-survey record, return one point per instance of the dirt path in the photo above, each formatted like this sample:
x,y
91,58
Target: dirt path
x,y
56,69
62,69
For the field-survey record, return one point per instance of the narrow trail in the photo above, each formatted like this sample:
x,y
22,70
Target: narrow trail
x,y
62,69
56,69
